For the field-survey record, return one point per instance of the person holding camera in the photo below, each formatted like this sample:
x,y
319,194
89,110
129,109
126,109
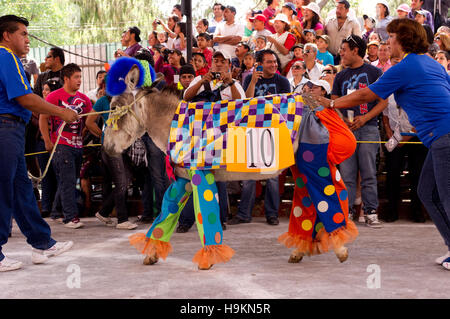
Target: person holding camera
x,y
218,78
264,81
216,85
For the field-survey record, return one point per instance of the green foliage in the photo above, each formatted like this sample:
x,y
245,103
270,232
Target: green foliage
x,y
71,22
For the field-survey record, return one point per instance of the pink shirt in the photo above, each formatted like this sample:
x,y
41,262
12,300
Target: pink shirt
x,y
383,67
80,103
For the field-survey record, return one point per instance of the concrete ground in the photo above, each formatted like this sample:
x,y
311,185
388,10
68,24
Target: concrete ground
x,y
396,261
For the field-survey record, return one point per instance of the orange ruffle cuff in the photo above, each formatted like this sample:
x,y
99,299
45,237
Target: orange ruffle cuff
x,y
213,254
149,246
323,242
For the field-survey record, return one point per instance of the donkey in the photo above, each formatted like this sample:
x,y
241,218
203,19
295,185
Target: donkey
x,y
309,232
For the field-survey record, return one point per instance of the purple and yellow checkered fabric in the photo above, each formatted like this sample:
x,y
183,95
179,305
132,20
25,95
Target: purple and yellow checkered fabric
x,y
198,135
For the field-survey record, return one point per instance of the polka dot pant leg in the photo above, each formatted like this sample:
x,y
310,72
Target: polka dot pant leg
x,y
206,207
174,200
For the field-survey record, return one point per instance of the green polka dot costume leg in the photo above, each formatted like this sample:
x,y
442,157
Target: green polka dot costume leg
x,y
206,207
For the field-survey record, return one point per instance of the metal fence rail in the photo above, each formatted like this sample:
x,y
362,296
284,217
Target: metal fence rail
x,y
103,51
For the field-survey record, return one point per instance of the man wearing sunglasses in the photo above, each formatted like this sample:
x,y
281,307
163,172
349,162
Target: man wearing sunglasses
x,y
356,76
54,62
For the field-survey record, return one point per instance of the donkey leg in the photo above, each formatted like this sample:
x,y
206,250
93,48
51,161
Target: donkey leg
x,y
207,215
341,253
296,256
156,243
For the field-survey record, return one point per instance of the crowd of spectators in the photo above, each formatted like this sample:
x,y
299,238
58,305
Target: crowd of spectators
x,y
288,47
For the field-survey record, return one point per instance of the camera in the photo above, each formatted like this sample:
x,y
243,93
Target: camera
x,y
216,75
259,68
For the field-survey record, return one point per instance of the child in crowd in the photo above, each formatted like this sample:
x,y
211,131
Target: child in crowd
x,y
247,66
199,63
323,41
261,43
310,35
162,38
203,47
298,56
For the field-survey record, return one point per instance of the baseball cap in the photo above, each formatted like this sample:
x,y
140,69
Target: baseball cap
x,y
324,37
291,6
422,12
322,83
260,17
225,55
404,7
136,32
187,69
309,30
299,45
373,43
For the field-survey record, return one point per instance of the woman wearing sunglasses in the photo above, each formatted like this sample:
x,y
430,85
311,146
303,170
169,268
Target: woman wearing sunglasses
x,y
422,87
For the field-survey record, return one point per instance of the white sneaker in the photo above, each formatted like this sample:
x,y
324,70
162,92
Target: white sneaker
x,y
372,221
106,220
126,225
441,259
39,256
361,219
8,264
74,223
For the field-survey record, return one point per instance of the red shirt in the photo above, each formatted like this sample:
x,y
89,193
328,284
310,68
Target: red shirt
x,y
208,56
80,103
270,14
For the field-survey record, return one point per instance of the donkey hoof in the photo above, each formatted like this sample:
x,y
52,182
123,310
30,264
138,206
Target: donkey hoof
x,y
295,257
342,254
205,267
150,260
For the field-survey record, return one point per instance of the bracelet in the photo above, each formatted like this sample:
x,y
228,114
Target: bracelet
x,y
332,104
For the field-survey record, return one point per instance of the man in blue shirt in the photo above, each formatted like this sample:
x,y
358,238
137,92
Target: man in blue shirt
x,y
16,104
262,83
421,86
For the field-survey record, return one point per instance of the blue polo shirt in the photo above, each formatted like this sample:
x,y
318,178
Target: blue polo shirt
x,y
421,86
13,83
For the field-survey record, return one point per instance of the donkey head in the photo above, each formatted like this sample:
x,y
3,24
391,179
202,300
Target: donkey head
x,y
127,112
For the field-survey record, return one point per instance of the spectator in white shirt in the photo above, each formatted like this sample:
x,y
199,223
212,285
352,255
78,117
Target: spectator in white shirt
x,y
230,33
341,26
218,17
313,68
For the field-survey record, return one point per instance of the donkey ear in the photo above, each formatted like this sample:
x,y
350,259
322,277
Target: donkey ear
x,y
125,73
133,78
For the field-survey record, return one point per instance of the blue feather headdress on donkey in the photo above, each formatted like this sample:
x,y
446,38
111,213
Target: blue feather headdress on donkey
x,y
115,84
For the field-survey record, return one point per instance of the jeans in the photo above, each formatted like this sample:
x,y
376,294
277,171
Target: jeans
x,y
117,172
155,178
434,185
67,164
271,199
49,182
364,159
187,216
16,191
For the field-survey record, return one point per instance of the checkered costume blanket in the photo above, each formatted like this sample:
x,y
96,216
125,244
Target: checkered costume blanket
x,y
198,134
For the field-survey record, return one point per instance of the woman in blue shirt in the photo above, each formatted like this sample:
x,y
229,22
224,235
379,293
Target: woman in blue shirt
x,y
421,87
